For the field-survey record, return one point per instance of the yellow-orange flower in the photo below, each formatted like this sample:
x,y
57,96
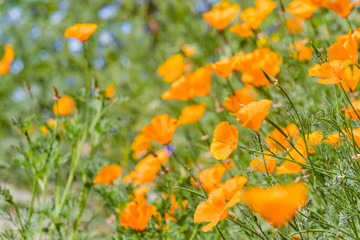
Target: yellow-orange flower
x,y
109,91
350,113
140,145
253,114
140,194
346,48
221,15
161,129
215,208
108,174
81,31
331,72
289,167
172,68
356,133
7,59
277,204
295,25
188,50
304,8
333,139
233,186
64,106
136,216
225,141
50,124
341,7
350,79
312,139
301,51
222,68
192,113
291,130
242,97
257,164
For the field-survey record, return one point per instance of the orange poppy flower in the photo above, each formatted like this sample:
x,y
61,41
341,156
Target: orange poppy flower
x,y
172,68
140,145
301,51
346,48
221,15
147,169
341,7
350,113
250,64
295,25
222,68
140,194
64,106
291,130
210,178
161,129
188,50
331,72
192,113
108,174
7,59
277,204
313,139
304,8
81,31
136,216
356,133
109,91
51,123
197,84
333,139
225,141
289,167
175,204
215,208
232,186
242,97
253,114
350,79
257,164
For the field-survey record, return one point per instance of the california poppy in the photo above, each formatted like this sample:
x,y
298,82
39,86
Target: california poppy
x,y
350,79
108,174
192,113
253,114
331,72
289,167
341,7
161,129
304,8
333,139
7,59
242,97
313,139
295,25
301,51
350,113
257,164
51,123
81,31
136,215
64,106
140,145
215,208
356,133
232,186
346,48
225,141
222,68
188,50
277,204
109,91
221,15
140,194
291,130
172,68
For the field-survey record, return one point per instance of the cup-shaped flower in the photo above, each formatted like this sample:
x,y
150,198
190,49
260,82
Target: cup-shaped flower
x,y
232,186
289,167
221,15
192,113
108,174
7,59
65,106
136,215
172,68
225,141
161,129
81,31
257,164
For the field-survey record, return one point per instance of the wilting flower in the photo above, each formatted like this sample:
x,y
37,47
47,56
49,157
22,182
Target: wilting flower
x,y
222,68
257,164
140,194
312,139
289,167
346,48
250,64
291,130
333,139
350,79
233,186
136,215
109,91
7,59
253,114
161,129
108,174
252,17
188,50
64,106
221,15
140,145
331,72
81,31
242,97
301,51
192,113
191,85
172,68
215,208
147,169
210,178
350,113
294,25
225,141
277,204
304,8
341,7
